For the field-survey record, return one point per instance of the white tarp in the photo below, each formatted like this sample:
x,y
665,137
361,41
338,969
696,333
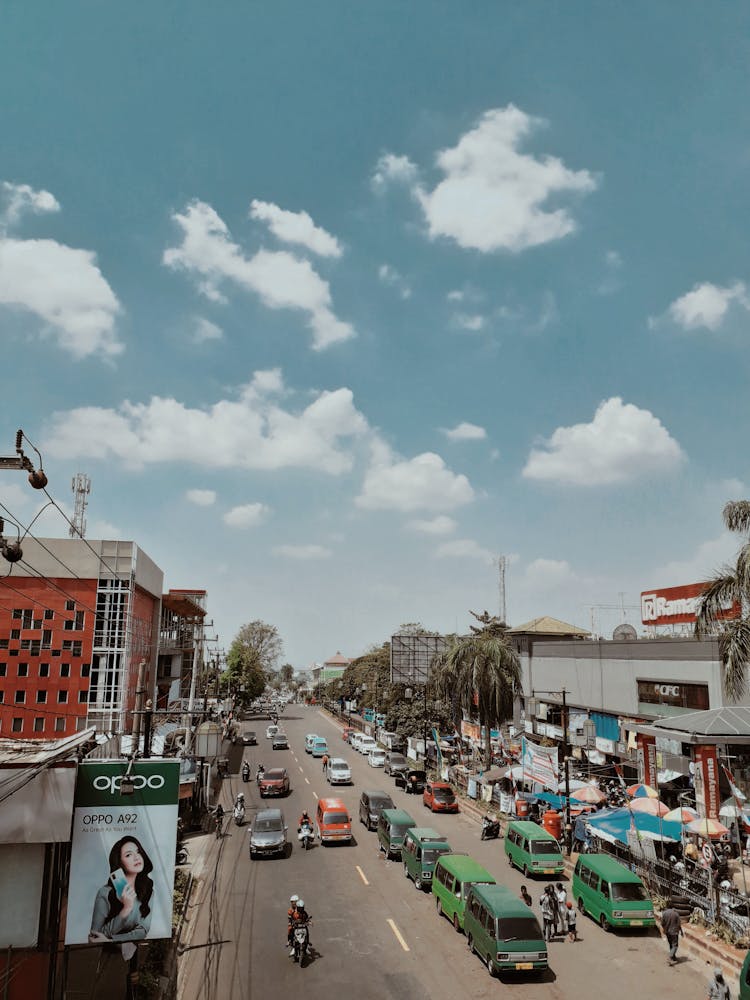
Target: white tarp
x,y
39,811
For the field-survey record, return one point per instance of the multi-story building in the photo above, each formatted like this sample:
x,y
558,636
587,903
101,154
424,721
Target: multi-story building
x,y
180,646
77,618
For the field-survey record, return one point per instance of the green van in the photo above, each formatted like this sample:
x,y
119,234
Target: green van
x,y
745,979
611,893
503,931
533,849
392,825
454,875
421,848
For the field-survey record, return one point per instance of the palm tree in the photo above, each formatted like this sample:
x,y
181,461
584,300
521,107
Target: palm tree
x,y
731,585
480,673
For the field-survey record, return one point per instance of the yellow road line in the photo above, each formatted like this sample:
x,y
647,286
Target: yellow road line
x,y
398,934
362,875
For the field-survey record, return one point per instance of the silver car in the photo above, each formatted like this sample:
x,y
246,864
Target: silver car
x,y
338,772
268,833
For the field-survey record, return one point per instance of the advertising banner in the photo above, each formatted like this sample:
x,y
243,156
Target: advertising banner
x,y
678,605
707,796
540,764
647,769
123,852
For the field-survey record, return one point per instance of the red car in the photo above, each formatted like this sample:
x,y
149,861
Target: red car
x,y
438,796
274,782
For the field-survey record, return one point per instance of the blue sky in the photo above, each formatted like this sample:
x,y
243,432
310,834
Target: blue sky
x,y
335,304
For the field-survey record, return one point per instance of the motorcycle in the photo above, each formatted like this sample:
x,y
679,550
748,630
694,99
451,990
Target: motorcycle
x,y
300,943
305,836
239,814
246,772
490,828
259,774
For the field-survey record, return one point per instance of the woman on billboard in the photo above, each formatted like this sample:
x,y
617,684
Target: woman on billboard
x,y
122,910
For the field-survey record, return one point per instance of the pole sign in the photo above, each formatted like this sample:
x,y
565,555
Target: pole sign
x,y
707,781
647,769
122,852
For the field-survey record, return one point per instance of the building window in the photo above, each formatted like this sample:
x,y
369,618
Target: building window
x,y
70,605
85,669
77,648
46,638
37,624
55,652
62,697
20,697
15,633
35,648
3,669
2,697
41,697
25,644
28,617
44,669
12,652
67,644
80,617
68,624
23,670
17,726
65,670
672,698
49,614
60,724
80,723
17,614
39,724
83,697
3,643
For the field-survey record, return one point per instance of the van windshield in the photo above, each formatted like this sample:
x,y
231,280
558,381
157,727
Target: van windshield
x,y
628,892
335,818
431,854
399,829
518,929
545,847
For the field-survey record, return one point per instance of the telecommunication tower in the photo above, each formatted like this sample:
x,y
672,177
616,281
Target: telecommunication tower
x,y
501,562
81,487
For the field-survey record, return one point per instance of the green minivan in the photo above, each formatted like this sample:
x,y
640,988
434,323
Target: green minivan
x,y
745,979
611,893
533,849
392,826
503,931
421,848
454,875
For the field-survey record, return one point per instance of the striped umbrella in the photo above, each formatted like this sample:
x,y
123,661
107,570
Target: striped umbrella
x,y
709,828
588,794
654,807
642,792
683,814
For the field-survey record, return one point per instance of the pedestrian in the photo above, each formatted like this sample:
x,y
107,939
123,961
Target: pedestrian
x,y
325,762
561,894
717,988
571,915
548,915
555,908
526,896
672,927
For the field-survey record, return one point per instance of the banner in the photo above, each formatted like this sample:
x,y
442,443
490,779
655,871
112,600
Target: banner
x,y
123,852
540,764
707,797
647,769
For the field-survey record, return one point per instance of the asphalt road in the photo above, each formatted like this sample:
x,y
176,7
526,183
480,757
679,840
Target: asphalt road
x,y
374,935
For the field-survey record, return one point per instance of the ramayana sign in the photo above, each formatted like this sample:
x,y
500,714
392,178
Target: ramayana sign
x,y
677,605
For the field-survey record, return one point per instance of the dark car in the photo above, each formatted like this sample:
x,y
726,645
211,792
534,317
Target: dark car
x,y
438,796
274,782
412,781
395,762
268,833
371,805
280,742
249,738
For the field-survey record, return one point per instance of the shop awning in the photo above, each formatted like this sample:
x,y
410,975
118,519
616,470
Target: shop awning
x,y
612,825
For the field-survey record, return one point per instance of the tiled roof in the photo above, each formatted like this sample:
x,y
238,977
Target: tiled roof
x,y
548,626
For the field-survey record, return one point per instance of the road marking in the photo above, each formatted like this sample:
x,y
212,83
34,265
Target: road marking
x,y
398,935
362,875
307,781
315,794
300,769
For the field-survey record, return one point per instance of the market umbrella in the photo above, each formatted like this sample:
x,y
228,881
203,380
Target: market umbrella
x,y
642,792
683,814
651,806
729,810
588,794
705,827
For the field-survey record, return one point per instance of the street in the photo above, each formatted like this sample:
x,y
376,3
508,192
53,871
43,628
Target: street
x,y
373,934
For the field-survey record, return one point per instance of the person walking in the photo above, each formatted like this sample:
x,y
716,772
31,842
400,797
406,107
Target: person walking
x,y
325,762
526,896
548,913
717,988
561,895
671,924
571,915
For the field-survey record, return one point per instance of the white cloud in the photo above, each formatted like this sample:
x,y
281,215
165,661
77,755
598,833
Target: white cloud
x,y
390,276
103,529
201,498
295,227
456,295
440,525
393,169
421,483
547,574
494,197
250,431
464,548
21,198
205,330
700,564
470,321
281,280
706,305
303,552
247,515
465,432
620,444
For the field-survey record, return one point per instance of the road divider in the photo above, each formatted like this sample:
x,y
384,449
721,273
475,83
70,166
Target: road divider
x,y
398,935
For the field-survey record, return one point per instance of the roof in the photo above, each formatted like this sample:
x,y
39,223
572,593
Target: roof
x,y
497,896
466,867
727,721
427,833
183,604
26,753
605,866
338,660
399,816
531,829
548,626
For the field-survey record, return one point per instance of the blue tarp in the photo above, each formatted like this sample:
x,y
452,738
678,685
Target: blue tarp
x,y
613,825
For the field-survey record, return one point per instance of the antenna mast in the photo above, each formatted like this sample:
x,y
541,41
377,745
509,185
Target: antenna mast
x,y
81,486
501,562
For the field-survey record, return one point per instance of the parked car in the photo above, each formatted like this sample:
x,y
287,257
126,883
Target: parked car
x,y
438,796
412,781
392,827
350,737
280,742
371,804
355,740
249,738
366,744
338,772
345,733
376,757
268,833
420,851
309,740
333,821
395,762
275,781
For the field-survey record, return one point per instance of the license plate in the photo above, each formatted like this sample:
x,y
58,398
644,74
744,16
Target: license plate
x,y
524,965
636,923
549,871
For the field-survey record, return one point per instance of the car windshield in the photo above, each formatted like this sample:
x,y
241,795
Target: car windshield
x,y
545,847
443,794
630,892
339,765
397,760
335,818
431,854
399,829
518,929
274,775
268,825
381,802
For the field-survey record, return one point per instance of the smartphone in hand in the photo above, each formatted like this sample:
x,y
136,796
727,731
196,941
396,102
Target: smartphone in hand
x,y
118,880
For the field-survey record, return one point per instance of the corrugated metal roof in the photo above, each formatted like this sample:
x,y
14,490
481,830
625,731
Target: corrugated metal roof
x,y
726,721
26,753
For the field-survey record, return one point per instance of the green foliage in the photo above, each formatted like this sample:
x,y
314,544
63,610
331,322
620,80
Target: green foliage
x,y
287,673
252,657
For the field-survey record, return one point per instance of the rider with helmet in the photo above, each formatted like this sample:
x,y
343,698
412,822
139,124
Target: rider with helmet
x,y
291,914
304,818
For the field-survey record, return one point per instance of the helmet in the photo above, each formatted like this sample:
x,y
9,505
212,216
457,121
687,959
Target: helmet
x,y
300,904
294,898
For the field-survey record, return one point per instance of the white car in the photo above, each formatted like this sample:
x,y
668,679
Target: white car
x,y
376,757
356,739
309,740
271,732
366,744
338,772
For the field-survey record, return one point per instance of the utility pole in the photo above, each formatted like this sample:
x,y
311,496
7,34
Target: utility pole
x,y
140,691
568,831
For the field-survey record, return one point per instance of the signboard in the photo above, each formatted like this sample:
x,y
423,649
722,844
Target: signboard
x,y
677,605
122,853
606,746
540,764
678,695
707,796
412,655
647,769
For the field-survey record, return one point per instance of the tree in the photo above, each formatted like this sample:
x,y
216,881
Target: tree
x,y
731,585
253,655
480,673
287,673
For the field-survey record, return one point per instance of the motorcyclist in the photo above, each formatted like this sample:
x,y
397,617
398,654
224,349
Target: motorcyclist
x,y
291,914
301,918
304,818
261,770
245,771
